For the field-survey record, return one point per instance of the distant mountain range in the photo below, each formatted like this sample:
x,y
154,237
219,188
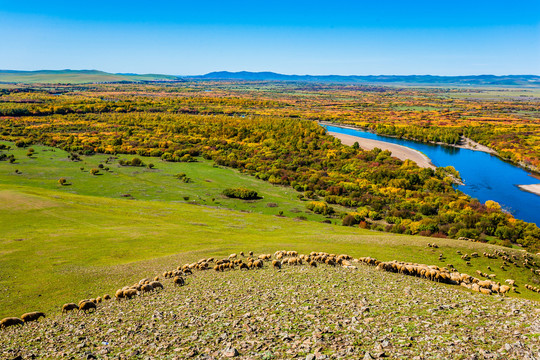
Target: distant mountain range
x,y
486,80
95,76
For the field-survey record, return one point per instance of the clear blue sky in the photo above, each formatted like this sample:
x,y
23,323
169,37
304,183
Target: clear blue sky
x,y
291,37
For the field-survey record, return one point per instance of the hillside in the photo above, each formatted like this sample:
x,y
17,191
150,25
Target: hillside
x,y
296,312
63,243
76,77
138,220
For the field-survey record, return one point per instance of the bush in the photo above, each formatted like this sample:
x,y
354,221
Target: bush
x,y
133,162
136,162
427,210
320,207
21,144
183,177
393,220
241,193
187,158
62,181
374,215
349,220
94,171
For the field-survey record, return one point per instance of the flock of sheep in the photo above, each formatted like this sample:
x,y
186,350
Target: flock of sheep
x,y
241,261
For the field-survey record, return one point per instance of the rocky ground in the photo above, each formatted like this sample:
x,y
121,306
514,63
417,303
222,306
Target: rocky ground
x,y
298,312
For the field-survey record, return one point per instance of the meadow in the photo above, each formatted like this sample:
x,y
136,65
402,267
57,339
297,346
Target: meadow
x,y
205,184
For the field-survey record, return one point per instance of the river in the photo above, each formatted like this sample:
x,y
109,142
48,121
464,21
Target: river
x,y
486,177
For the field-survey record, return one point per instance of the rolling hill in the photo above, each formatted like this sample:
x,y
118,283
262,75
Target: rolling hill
x,y
76,77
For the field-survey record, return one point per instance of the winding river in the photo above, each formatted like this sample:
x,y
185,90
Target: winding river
x,y
486,177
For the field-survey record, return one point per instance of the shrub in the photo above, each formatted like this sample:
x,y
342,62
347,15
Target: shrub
x,y
94,171
427,210
187,158
374,215
349,220
133,162
183,177
241,193
363,225
62,181
21,143
136,162
151,166
320,207
393,220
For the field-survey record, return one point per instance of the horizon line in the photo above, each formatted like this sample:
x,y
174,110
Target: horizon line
x,y
260,72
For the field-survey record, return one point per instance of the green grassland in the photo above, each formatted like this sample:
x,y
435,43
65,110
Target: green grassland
x,y
47,165
64,243
74,77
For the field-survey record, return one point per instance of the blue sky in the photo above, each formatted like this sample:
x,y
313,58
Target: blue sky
x,y
305,37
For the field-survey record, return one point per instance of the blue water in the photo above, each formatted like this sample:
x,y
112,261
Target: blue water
x,y
486,177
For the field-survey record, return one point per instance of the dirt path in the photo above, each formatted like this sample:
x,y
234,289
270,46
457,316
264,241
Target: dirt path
x,y
401,152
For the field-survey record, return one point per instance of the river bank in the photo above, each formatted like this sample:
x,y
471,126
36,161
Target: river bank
x,y
401,152
465,143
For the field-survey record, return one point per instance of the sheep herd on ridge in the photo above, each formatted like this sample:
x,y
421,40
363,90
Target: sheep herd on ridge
x,y
243,262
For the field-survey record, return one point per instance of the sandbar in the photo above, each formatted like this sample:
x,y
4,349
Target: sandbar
x,y
399,151
534,188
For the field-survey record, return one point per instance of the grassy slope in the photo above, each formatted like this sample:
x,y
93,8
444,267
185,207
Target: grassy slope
x,y
74,77
43,170
56,246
